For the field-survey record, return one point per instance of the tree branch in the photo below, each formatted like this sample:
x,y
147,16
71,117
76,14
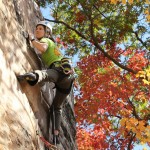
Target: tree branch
x,y
111,58
130,142
69,27
99,11
134,111
96,45
139,39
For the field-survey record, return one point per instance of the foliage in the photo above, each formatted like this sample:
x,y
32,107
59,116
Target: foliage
x,y
113,106
145,75
113,100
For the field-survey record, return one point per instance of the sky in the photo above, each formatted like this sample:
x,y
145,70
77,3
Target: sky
x,y
46,14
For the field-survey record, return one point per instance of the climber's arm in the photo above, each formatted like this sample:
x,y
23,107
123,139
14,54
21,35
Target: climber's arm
x,y
42,47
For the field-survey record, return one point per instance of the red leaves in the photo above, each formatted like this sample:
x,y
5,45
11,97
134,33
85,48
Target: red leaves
x,y
80,17
128,52
59,41
137,61
104,94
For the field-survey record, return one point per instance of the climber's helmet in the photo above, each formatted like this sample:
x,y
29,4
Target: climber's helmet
x,y
47,25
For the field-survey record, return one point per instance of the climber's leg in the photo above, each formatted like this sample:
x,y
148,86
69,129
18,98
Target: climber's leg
x,y
57,108
63,88
57,103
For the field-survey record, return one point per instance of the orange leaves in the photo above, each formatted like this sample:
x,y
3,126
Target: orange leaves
x,y
125,112
84,140
114,1
92,139
138,127
141,126
124,1
123,121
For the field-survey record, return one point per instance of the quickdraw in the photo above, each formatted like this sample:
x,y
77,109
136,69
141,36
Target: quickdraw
x,y
65,64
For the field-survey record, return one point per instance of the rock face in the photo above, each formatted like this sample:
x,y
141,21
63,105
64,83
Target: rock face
x,y
25,110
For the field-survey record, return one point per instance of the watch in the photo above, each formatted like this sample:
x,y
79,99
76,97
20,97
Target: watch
x,y
32,39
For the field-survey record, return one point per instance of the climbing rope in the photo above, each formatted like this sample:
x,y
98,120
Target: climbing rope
x,y
54,126
48,145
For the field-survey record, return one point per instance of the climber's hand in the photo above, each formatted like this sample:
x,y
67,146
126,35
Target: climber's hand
x,y
25,34
31,36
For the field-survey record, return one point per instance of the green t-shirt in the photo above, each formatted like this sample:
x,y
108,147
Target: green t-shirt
x,y
52,54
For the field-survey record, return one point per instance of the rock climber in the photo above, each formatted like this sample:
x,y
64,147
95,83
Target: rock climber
x,y
59,70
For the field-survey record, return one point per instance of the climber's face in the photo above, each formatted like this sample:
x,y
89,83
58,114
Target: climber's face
x,y
39,32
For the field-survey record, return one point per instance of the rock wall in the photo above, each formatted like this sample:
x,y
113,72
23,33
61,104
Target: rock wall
x,y
25,110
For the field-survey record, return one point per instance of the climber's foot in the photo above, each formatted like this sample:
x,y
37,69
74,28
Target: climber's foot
x,y
28,76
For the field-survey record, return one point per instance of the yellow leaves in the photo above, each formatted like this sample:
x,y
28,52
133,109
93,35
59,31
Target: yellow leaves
x,y
148,17
124,1
140,74
101,70
130,1
147,14
138,127
114,1
114,84
97,21
145,75
146,82
147,2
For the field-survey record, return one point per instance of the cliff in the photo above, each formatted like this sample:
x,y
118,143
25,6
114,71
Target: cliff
x,y
25,110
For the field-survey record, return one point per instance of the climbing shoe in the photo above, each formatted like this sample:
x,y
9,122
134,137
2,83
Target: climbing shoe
x,y
28,76
56,139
